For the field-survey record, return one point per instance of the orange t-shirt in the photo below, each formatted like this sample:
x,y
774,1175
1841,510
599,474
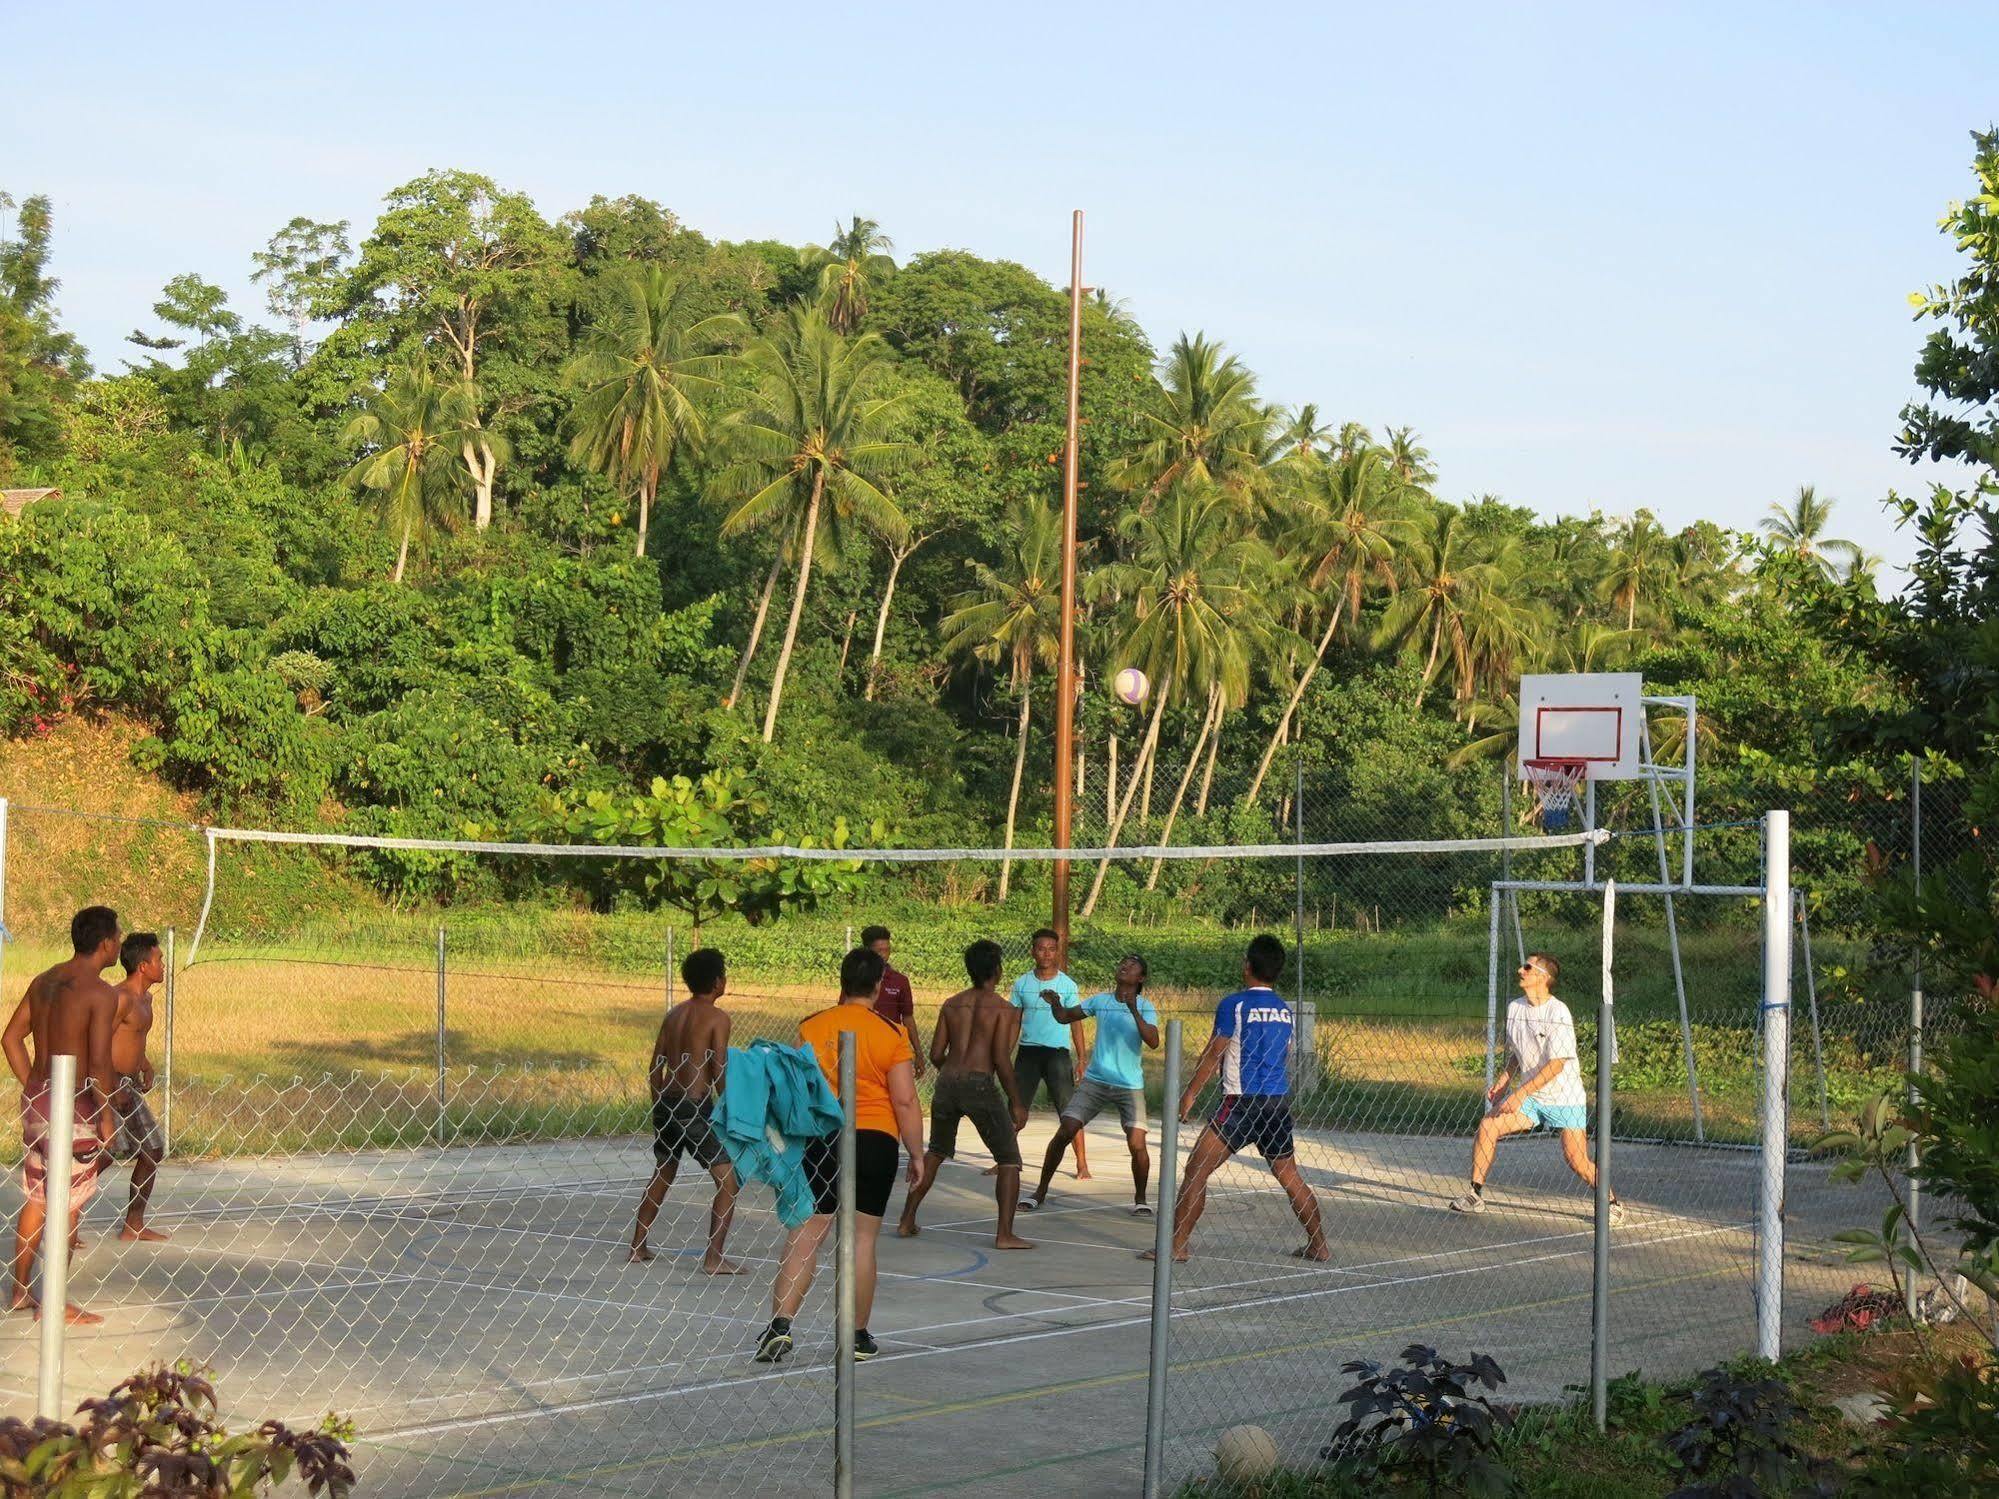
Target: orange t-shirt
x,y
878,1046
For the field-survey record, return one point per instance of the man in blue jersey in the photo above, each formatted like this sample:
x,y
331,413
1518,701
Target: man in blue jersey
x,y
1252,1049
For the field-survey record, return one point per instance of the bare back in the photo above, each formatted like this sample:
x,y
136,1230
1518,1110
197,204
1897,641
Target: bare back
x,y
692,1049
131,1028
973,1029
69,1011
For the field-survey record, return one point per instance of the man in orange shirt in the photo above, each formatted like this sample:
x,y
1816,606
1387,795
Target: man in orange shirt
x,y
883,1107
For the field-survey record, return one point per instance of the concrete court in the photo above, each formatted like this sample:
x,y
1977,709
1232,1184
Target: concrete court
x,y
471,1310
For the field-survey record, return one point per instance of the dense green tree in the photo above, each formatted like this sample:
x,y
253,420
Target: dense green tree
x,y
1639,566
849,269
302,267
412,431
38,361
1447,593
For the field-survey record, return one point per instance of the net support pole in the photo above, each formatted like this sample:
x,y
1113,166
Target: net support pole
x,y
1673,936
1915,1188
1166,1197
1063,789
1606,1054
61,1153
167,1057
1492,989
440,1036
1776,1058
844,1297
1298,918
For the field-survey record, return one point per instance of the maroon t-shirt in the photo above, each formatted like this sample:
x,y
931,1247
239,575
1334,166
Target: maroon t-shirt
x,y
895,1003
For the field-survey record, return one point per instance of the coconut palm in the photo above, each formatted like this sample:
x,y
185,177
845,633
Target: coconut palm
x,y
1352,438
808,448
1800,528
645,366
1204,423
849,268
1196,620
1013,614
413,429
1444,587
1408,459
1302,434
1351,519
1640,565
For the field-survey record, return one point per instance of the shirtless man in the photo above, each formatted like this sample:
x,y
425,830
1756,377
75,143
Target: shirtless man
x,y
138,1139
969,1049
68,1010
688,1060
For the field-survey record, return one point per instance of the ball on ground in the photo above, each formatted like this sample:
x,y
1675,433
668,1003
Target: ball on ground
x,y
1244,1454
1131,686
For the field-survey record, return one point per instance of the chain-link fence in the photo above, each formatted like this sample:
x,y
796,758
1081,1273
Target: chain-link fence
x,y
405,1147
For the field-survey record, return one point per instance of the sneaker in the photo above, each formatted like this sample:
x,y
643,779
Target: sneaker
x,y
865,1346
1470,1202
1617,1215
774,1347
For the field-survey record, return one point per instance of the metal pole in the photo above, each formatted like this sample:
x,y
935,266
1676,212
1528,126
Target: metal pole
x,y
1065,659
844,1313
1492,989
61,1152
1162,1266
1915,1016
669,963
1673,938
1298,769
1687,759
167,1070
1606,1048
440,1036
1589,826
1776,1059
3,889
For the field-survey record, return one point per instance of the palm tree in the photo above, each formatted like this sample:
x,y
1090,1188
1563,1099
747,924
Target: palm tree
x,y
1409,459
1302,433
1641,559
1800,528
1197,619
1013,612
413,429
1351,523
1351,439
646,363
809,445
1443,589
856,257
1204,422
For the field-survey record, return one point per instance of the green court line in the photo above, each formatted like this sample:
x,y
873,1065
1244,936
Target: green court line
x,y
1101,1381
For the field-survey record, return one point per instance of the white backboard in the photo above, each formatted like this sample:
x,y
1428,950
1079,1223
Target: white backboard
x,y
1593,717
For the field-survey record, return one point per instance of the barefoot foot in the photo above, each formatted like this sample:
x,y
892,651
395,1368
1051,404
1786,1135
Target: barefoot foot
x,y
1084,1174
1010,1241
75,1316
907,1229
640,1255
138,1233
1179,1258
720,1267
1312,1252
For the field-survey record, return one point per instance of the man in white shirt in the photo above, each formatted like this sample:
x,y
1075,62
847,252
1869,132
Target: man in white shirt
x,y
1541,1043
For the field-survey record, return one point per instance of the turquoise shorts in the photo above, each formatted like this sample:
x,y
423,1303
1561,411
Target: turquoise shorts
x,y
1555,1115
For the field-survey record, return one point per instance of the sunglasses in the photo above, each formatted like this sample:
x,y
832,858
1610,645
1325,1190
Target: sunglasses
x,y
1532,968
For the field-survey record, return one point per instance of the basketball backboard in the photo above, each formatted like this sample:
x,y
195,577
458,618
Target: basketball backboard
x,y
1593,717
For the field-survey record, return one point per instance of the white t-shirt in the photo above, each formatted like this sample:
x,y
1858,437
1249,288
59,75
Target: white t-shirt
x,y
1537,1034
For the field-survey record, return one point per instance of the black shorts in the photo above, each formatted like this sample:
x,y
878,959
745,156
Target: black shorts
x,y
960,1095
1053,1065
1259,1119
875,1157
680,1126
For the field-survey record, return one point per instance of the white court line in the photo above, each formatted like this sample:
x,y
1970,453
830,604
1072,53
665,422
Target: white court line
x,y
575,1407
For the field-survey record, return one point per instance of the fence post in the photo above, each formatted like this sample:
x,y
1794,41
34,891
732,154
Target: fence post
x,y
844,1314
3,889
1492,986
167,1046
1606,1049
1776,1091
1298,804
59,1152
1162,1266
669,962
440,1036
1915,1017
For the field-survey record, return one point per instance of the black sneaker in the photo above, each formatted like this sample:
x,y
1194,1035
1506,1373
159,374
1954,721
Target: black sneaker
x,y
865,1346
774,1347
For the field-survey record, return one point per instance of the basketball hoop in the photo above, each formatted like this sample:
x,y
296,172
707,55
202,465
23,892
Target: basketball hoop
x,y
1555,784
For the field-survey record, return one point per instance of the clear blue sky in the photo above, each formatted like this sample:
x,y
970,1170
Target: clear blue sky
x,y
1597,260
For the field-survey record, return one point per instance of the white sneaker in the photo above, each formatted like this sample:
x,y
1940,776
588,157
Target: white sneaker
x,y
1470,1202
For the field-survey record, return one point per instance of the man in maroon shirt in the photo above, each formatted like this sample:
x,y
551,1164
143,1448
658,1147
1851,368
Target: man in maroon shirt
x,y
895,1001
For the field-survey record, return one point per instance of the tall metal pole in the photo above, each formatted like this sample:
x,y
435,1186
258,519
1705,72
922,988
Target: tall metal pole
x,y
1776,1080
167,1070
1162,1265
440,1036
1298,918
60,1152
1606,1048
3,889
1915,1019
844,1313
1065,661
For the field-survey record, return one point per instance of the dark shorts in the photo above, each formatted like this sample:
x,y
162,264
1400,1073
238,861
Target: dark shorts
x,y
680,1127
961,1095
1053,1065
1259,1119
875,1158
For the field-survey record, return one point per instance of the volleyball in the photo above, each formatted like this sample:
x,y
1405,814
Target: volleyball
x,y
1131,686
1245,1454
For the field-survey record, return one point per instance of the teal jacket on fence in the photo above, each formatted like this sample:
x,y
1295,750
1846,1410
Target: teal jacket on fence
x,y
774,1101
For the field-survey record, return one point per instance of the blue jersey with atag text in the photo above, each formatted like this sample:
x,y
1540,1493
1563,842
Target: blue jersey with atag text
x,y
1257,1024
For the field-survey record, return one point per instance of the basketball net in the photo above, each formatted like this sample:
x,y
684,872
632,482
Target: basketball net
x,y
1556,784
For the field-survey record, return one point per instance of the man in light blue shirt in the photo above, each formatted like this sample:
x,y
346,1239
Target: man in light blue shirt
x,y
1127,1024
1048,1049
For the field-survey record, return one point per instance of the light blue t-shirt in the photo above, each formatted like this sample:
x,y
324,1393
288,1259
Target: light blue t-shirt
x,y
1117,1052
1037,1026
